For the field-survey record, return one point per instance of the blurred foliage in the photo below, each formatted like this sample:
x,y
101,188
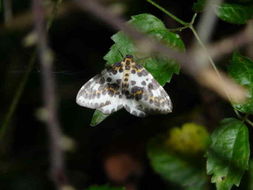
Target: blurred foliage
x,y
183,166
199,5
228,154
191,139
104,187
234,13
241,69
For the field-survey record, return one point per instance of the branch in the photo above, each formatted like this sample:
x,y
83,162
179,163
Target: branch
x,y
208,21
148,45
7,11
229,44
46,60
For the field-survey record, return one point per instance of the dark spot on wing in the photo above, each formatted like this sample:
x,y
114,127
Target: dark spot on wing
x,y
114,71
142,73
113,86
129,56
136,89
125,85
137,66
143,83
109,79
127,67
118,81
133,82
150,86
138,97
118,64
102,80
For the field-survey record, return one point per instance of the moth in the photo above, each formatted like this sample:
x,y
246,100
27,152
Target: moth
x,y
128,85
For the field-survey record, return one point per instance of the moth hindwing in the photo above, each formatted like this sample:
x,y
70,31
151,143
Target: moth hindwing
x,y
128,85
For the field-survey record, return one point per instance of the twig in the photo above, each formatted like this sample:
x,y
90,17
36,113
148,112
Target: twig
x,y
168,13
249,122
227,45
238,94
207,21
53,126
14,103
7,11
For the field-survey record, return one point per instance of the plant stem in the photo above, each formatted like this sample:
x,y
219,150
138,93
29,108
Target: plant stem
x,y
249,122
168,13
178,29
16,99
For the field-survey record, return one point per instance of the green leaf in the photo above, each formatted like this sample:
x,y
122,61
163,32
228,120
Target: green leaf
x,y
228,154
241,69
170,39
104,187
174,168
199,5
155,28
234,13
160,69
97,118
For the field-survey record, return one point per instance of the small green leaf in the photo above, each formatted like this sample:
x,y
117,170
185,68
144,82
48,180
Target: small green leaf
x,y
123,46
241,69
177,169
97,118
199,5
228,154
234,13
161,70
104,187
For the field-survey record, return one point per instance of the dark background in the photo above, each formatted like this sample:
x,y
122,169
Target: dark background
x,y
79,42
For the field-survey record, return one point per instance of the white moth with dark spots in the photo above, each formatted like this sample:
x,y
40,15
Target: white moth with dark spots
x,y
125,84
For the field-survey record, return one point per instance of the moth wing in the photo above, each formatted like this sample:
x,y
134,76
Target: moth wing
x,y
101,92
153,98
133,107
